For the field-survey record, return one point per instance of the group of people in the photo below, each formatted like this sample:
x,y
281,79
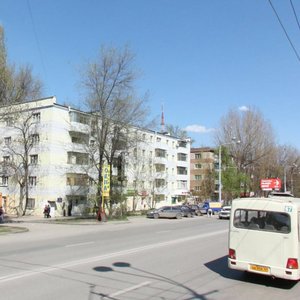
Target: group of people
x,y
47,210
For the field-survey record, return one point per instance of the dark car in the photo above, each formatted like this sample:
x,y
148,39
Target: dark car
x,y
186,211
170,212
196,209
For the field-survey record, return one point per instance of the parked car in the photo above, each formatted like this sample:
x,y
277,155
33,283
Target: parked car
x,y
186,211
196,209
225,212
165,212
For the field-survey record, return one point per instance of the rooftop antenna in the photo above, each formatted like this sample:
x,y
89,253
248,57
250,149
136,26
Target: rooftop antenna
x,y
162,119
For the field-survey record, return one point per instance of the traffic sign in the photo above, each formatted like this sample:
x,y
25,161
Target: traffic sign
x,y
270,184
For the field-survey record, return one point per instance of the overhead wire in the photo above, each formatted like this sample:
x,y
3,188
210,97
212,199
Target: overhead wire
x,y
36,38
295,14
286,34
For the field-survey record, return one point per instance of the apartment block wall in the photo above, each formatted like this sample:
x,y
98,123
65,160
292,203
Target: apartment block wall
x,y
202,160
58,139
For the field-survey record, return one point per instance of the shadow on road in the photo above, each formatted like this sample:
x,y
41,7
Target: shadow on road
x,y
157,291
219,266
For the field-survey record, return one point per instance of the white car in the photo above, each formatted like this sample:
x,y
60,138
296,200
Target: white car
x,y
225,212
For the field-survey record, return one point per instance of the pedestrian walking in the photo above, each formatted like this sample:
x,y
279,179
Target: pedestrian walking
x,y
209,212
47,211
1,214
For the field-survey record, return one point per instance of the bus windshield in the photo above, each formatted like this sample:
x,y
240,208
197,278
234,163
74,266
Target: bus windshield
x,y
262,220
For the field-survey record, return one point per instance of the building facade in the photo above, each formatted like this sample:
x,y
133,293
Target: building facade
x,y
202,168
55,139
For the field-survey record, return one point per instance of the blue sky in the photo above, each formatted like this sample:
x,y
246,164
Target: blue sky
x,y
200,58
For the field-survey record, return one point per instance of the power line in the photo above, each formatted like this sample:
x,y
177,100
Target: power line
x,y
286,34
36,37
295,14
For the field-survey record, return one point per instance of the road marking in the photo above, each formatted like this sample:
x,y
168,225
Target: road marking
x,y
132,288
79,244
84,261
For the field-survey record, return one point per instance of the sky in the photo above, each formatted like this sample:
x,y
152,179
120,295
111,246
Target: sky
x,y
198,59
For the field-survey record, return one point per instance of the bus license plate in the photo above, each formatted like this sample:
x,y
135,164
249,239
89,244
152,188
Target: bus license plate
x,y
258,268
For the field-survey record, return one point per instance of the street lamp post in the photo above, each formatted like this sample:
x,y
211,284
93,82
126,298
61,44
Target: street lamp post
x,y
220,165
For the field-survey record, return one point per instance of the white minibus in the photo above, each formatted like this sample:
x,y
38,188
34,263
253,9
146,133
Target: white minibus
x,y
264,236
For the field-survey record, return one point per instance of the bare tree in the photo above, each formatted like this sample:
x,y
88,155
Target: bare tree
x,y
16,84
109,88
255,153
17,149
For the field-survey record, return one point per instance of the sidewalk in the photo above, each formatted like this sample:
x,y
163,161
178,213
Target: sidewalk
x,y
80,220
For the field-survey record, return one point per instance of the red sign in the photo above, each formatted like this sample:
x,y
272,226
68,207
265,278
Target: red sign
x,y
270,184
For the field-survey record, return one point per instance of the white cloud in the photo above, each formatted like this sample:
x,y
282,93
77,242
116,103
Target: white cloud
x,y
198,129
243,108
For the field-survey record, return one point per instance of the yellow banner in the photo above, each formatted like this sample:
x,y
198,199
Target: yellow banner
x,y
106,180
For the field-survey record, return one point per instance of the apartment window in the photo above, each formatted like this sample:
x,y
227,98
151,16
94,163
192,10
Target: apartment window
x,y
34,159
77,179
9,121
182,184
197,188
159,198
198,177
77,158
7,140
6,159
181,171
4,180
35,138
31,203
79,117
143,153
160,167
158,139
159,183
160,153
36,117
32,180
198,166
182,144
181,156
197,155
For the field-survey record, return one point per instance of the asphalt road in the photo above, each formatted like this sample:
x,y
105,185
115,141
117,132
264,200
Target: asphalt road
x,y
140,259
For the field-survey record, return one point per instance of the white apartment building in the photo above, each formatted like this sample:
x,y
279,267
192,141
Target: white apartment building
x,y
156,169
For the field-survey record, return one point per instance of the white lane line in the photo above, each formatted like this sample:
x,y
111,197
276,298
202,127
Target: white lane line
x,y
78,244
132,288
70,264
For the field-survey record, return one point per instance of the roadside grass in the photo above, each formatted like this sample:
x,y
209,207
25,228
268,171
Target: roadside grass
x,y
78,220
11,229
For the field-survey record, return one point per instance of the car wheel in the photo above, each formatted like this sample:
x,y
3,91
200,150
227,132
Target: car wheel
x,y
155,216
220,217
178,216
189,215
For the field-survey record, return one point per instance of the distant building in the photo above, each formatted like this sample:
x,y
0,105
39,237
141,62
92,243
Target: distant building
x,y
155,171
202,166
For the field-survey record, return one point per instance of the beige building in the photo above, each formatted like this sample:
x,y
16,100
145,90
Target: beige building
x,y
58,139
202,168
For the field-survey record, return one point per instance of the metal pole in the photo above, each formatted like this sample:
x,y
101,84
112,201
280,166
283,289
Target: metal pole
x,y
220,174
284,178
